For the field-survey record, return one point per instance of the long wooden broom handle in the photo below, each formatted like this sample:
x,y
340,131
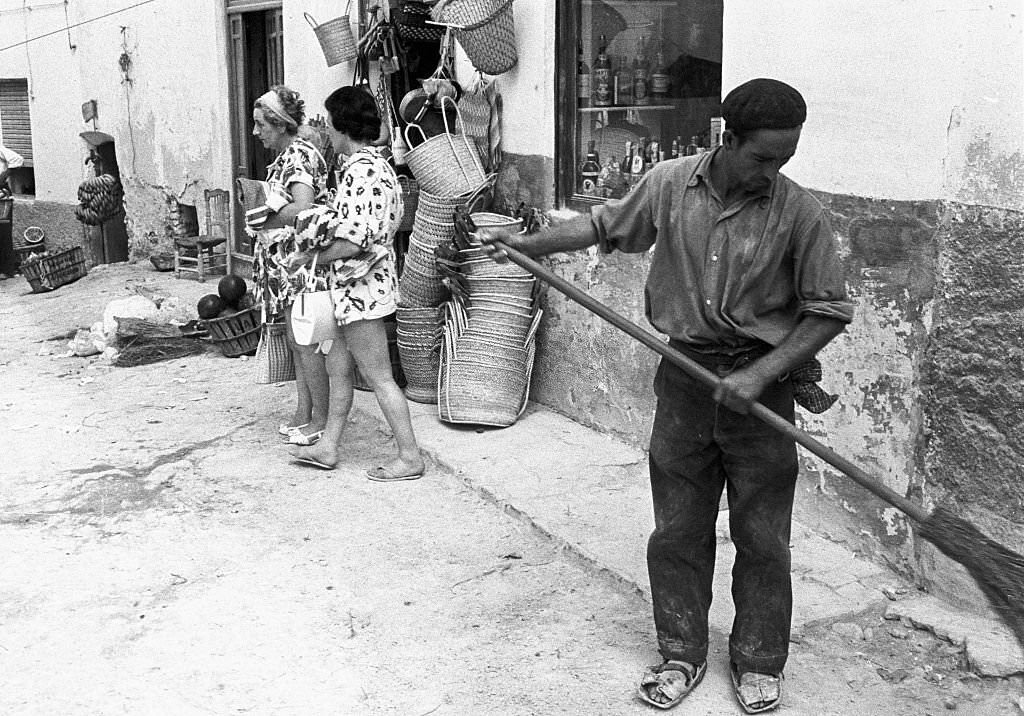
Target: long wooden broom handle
x,y
699,372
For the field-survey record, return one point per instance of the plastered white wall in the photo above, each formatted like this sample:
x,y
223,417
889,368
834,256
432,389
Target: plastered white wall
x,y
898,92
170,123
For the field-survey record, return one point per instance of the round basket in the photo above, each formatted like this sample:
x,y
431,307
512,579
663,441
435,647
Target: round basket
x,y
335,38
486,30
445,164
237,334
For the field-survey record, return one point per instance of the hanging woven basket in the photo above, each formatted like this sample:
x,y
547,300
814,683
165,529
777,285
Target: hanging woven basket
x,y
335,38
485,29
446,164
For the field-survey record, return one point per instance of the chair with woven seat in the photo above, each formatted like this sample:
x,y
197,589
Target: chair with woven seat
x,y
200,255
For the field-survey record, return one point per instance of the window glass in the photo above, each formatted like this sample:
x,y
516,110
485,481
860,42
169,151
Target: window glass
x,y
648,87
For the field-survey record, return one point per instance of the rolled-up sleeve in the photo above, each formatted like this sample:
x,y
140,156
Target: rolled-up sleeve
x,y
819,272
627,224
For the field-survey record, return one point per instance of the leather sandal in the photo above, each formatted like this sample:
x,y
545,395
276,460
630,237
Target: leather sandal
x,y
755,691
673,679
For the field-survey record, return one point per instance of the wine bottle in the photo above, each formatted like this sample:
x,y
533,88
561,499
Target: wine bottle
x,y
659,77
623,84
582,80
602,77
641,75
590,171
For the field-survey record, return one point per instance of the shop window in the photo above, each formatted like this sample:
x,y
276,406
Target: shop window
x,y
16,132
640,82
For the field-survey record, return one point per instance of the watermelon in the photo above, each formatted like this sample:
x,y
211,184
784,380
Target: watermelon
x,y
231,288
210,306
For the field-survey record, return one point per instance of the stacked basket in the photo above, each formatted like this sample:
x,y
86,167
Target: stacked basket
x,y
448,174
417,335
489,339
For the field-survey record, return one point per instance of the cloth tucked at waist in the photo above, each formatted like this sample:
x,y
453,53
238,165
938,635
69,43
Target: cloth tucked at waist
x,y
723,360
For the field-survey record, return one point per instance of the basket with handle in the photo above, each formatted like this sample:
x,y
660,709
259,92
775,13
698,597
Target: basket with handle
x,y
485,29
335,37
446,164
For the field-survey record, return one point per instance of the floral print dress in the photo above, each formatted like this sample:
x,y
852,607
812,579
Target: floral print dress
x,y
369,209
299,163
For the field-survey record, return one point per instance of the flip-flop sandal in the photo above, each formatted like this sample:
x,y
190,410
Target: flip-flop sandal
x,y
382,474
300,438
756,692
675,689
287,430
314,462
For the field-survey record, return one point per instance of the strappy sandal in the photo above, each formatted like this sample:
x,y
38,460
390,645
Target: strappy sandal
x,y
673,688
286,430
300,438
756,692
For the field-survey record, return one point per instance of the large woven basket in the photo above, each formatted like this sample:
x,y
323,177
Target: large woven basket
x,y
237,334
485,29
335,38
446,164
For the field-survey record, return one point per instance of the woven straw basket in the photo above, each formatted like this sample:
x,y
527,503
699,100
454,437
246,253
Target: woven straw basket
x,y
335,37
410,201
485,29
446,164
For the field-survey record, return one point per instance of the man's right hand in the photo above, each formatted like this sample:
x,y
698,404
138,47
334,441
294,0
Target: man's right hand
x,y
488,235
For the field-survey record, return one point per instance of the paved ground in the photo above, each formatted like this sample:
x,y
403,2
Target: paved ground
x,y
163,555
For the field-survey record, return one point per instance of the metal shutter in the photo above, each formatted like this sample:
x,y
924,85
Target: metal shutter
x,y
15,124
251,5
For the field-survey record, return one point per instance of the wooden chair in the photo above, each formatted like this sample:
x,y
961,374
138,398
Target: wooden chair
x,y
201,254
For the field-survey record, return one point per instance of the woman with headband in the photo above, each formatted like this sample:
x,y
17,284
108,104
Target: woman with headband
x,y
296,179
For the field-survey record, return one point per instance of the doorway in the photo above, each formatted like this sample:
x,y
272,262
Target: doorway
x,y
106,242
255,63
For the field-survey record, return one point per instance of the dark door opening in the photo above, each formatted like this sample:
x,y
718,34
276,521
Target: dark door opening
x,y
256,62
107,242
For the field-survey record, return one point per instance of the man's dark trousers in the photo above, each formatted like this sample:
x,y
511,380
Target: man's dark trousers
x,y
697,447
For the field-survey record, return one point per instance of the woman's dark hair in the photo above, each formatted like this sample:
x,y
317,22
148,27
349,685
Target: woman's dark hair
x,y
294,107
353,111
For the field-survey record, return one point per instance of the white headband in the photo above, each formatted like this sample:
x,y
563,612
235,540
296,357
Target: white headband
x,y
272,103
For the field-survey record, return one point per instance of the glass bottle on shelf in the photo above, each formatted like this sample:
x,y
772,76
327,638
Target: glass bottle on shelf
x,y
623,84
615,183
675,147
693,147
590,171
636,168
641,75
582,79
601,79
659,77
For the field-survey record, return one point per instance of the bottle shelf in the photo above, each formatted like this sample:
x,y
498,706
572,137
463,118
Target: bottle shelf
x,y
625,108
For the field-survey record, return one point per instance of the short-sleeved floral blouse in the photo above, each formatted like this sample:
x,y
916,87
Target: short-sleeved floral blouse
x,y
299,163
369,209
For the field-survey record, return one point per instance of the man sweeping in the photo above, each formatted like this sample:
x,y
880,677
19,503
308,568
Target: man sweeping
x,y
746,280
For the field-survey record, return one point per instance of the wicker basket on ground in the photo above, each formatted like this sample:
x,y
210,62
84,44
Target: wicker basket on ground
x,y
238,334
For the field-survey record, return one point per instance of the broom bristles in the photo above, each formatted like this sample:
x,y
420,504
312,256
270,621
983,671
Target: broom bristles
x,y
999,571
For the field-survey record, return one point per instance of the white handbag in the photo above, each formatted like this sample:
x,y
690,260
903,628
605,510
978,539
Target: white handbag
x,y
313,318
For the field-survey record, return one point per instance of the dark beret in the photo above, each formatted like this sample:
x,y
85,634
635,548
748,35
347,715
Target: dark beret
x,y
763,104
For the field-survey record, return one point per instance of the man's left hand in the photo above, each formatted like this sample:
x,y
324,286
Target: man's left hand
x,y
738,390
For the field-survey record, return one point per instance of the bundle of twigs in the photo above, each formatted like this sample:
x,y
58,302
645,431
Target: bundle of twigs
x,y
141,351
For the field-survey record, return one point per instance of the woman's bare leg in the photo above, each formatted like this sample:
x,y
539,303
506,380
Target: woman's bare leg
x,y
368,343
338,363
